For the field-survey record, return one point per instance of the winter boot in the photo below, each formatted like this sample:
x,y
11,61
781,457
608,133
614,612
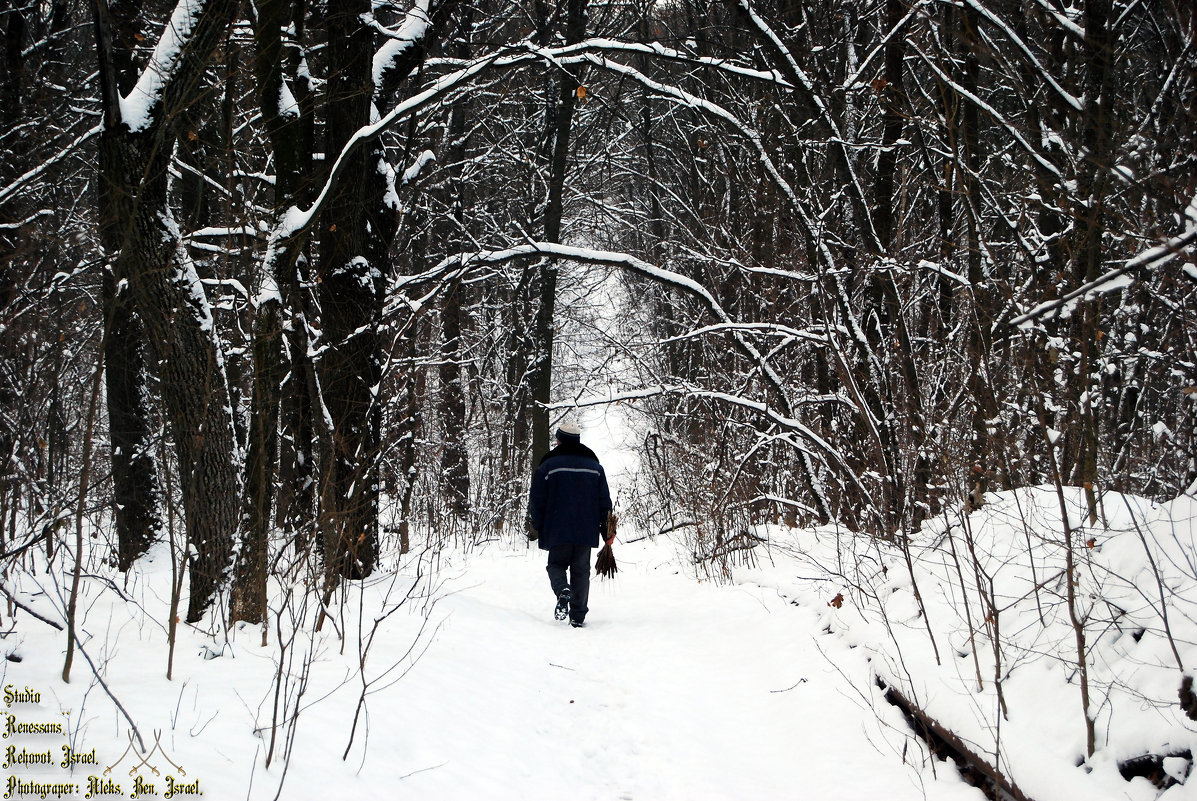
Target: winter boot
x,y
563,604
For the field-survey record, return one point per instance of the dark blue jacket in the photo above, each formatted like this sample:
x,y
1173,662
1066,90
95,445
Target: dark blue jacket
x,y
569,500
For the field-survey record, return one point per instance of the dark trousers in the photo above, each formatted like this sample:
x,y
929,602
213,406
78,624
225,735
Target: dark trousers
x,y
576,559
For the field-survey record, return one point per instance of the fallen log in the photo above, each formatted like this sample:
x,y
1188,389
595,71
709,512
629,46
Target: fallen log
x,y
945,744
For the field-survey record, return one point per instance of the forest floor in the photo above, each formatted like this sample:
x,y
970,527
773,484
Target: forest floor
x,y
445,676
675,689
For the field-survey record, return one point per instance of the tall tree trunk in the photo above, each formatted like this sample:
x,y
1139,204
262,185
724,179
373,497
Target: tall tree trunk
x,y
291,152
298,472
454,454
891,91
136,490
1096,120
136,496
13,27
145,250
350,291
980,310
356,232
292,141
248,593
893,324
562,122
1050,271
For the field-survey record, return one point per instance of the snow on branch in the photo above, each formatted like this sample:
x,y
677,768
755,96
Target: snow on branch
x,y
28,178
462,263
14,226
25,607
136,107
997,116
897,30
804,216
766,328
763,409
1042,71
787,56
410,33
1066,24
670,54
945,272
1118,278
807,84
681,97
295,220
413,172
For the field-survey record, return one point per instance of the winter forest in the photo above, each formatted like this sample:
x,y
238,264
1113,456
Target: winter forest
x,y
881,312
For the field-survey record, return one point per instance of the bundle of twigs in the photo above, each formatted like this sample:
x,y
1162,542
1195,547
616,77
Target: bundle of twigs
x,y
605,564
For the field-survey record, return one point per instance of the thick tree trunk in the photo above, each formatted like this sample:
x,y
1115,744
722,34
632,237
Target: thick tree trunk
x,y
281,295
298,476
355,234
350,292
143,244
190,364
136,487
292,139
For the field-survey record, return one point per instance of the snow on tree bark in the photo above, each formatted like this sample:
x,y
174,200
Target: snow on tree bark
x,y
147,255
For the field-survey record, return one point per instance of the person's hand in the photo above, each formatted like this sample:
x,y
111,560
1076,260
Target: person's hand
x,y
610,540
530,531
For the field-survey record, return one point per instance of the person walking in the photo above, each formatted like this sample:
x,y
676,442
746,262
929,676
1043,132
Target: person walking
x,y
568,506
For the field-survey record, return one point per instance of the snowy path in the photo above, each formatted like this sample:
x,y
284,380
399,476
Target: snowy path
x,y
675,690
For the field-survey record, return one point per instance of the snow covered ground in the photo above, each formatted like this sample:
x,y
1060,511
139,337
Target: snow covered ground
x,y
676,689
444,676
997,663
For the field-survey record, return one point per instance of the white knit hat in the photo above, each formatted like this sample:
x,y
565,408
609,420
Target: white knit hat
x,y
568,429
